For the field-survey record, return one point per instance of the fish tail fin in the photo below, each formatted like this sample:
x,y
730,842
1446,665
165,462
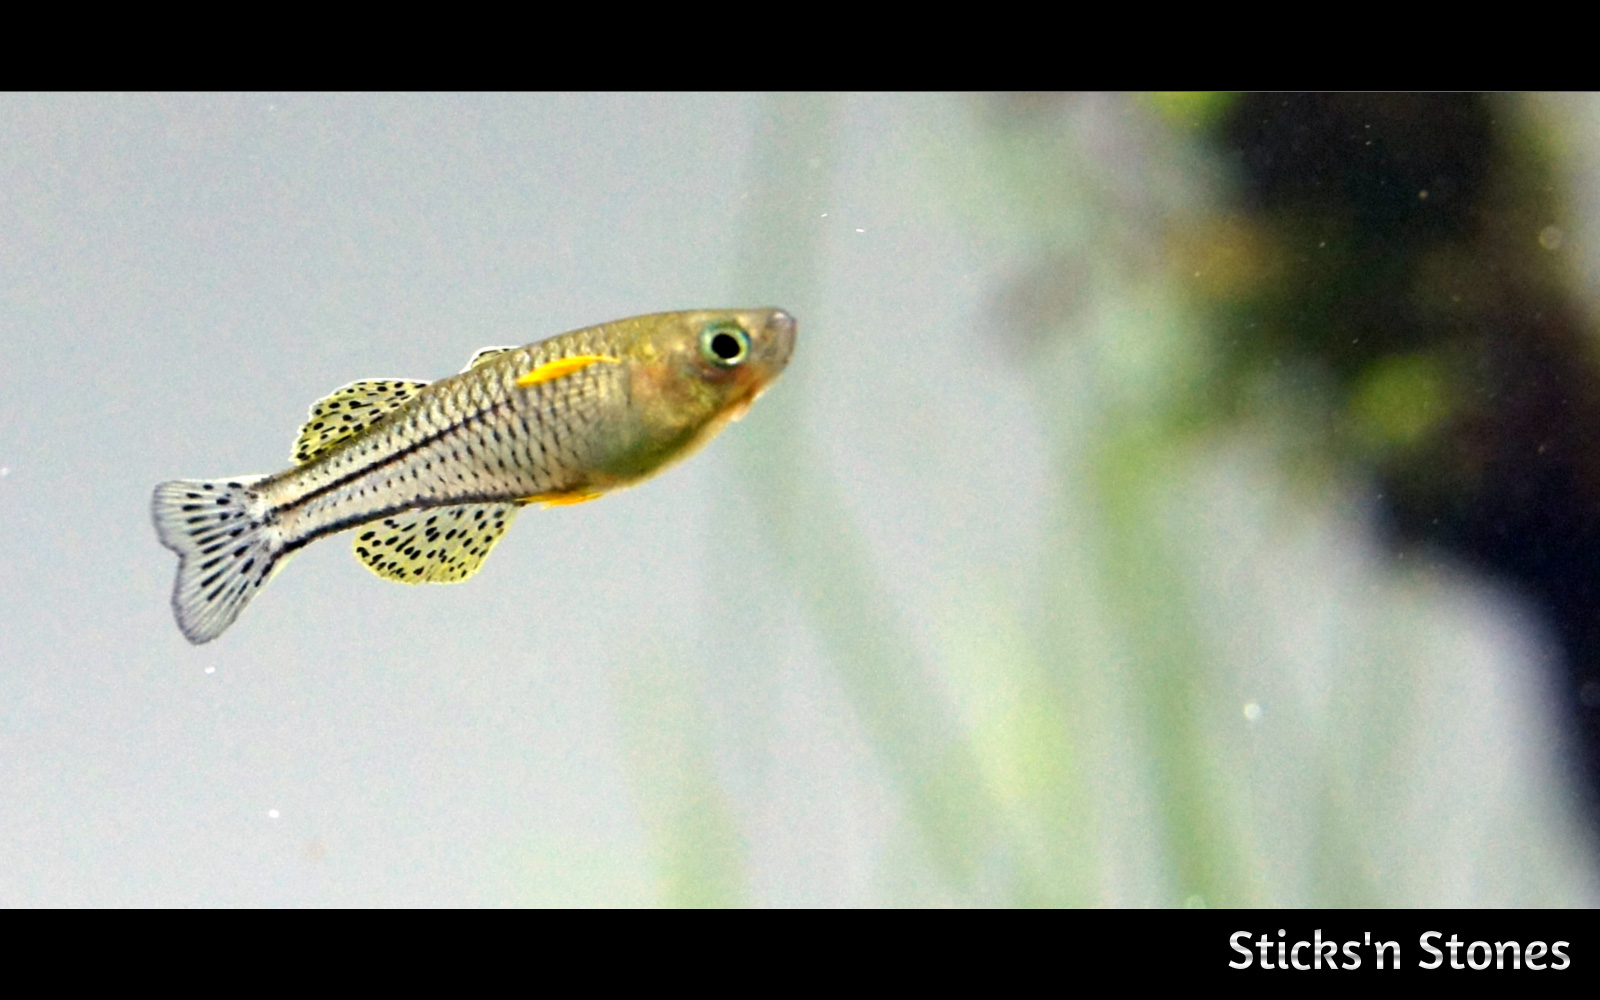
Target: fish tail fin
x,y
226,549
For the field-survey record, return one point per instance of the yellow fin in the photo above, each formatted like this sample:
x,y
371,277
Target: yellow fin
x,y
563,366
486,353
348,411
562,499
434,545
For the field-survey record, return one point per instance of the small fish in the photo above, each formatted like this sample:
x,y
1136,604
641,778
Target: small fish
x,y
432,474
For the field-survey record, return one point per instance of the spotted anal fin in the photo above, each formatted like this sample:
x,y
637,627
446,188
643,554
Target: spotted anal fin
x,y
485,354
348,411
435,545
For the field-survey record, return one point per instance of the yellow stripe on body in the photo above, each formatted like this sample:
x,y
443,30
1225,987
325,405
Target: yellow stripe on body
x,y
563,366
562,499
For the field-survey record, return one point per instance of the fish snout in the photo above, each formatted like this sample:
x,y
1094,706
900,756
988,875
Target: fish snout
x,y
781,329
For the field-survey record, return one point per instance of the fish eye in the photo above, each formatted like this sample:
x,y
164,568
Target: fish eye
x,y
724,344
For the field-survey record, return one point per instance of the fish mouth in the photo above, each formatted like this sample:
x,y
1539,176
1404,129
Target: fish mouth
x,y
781,328
776,345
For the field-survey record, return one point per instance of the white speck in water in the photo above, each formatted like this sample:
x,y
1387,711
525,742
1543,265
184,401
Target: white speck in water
x,y
272,814
1252,711
5,470
824,215
1550,237
860,230
1422,195
211,670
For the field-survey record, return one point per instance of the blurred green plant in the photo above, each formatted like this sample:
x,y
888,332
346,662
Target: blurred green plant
x,y
698,854
810,532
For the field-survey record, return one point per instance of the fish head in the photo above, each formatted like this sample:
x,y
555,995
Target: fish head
x,y
729,357
691,373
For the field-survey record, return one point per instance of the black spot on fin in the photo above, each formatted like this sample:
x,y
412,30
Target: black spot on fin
x,y
225,552
433,545
349,410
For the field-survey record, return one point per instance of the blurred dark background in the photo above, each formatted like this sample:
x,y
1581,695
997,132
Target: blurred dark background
x,y
1418,299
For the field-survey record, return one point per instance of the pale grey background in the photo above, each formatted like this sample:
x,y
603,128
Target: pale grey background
x,y
645,700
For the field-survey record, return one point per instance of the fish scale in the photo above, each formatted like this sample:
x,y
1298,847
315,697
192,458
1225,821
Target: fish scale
x,y
445,451
439,471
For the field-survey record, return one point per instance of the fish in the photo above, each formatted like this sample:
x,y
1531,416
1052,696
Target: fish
x,y
430,475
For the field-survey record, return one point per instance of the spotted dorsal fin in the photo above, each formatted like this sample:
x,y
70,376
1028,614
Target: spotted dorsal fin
x,y
348,411
486,353
435,545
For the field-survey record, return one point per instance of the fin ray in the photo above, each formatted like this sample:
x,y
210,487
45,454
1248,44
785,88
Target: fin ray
x,y
225,552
